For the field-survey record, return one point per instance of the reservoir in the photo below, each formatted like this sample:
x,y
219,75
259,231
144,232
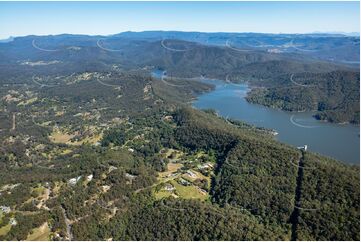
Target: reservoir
x,y
341,142
338,141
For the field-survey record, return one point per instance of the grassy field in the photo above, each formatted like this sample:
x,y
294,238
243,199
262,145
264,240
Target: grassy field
x,y
171,167
38,191
40,234
162,194
60,137
188,192
27,102
90,140
5,229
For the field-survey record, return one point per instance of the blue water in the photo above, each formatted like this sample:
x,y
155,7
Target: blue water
x,y
341,142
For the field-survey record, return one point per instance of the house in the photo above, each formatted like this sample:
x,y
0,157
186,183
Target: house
x,y
205,166
74,181
89,178
302,147
191,174
130,176
5,209
173,174
204,192
112,168
13,222
168,118
169,187
184,182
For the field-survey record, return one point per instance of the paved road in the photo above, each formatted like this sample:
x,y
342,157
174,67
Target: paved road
x,y
106,49
37,47
298,84
171,49
236,49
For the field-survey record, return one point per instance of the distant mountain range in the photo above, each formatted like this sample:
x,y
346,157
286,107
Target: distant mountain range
x,y
335,47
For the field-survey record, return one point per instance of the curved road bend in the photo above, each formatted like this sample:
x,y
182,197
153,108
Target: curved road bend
x,y
106,49
37,47
171,49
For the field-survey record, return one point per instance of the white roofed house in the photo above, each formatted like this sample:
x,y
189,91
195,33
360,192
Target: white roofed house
x,y
302,147
169,187
13,222
5,209
89,178
74,181
191,174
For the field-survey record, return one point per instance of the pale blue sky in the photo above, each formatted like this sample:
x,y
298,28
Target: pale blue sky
x,y
41,18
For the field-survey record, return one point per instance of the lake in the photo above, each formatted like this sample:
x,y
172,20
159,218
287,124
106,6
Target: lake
x,y
338,141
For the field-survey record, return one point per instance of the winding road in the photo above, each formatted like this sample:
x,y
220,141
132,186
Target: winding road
x,y
106,49
105,84
42,49
172,49
298,84
236,49
42,85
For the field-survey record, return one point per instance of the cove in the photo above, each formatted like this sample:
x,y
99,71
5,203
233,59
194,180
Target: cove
x,y
338,141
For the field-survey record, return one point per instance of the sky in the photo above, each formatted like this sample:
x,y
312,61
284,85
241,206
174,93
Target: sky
x,y
104,18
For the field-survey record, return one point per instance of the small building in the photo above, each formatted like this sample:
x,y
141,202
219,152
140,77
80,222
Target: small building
x,y
89,178
74,181
168,118
130,176
184,182
191,174
173,174
112,168
302,147
169,187
13,222
205,166
5,209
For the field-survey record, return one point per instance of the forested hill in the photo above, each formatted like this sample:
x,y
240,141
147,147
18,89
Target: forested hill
x,y
263,177
334,95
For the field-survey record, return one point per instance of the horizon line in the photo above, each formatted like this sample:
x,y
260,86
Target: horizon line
x,y
350,34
